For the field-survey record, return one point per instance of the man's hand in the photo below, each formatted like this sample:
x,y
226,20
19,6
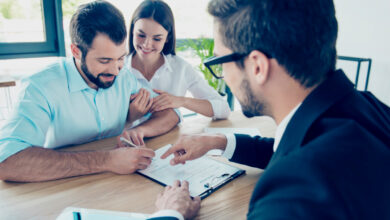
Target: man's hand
x,y
140,104
135,135
177,197
166,100
126,160
190,147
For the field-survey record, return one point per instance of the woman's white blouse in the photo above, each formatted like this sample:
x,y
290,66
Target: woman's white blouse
x,y
176,76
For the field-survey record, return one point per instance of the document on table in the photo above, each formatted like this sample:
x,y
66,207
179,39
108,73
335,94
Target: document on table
x,y
72,213
204,174
249,131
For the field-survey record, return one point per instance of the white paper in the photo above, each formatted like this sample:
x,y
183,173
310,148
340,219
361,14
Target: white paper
x,y
96,214
202,173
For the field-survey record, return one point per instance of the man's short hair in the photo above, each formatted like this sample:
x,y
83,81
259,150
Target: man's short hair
x,y
93,18
300,34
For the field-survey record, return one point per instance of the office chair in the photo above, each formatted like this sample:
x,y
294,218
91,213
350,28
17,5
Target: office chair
x,y
359,60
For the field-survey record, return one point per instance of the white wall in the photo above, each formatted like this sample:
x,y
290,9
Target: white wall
x,y
364,31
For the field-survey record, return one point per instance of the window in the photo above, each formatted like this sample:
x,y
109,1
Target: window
x,y
31,28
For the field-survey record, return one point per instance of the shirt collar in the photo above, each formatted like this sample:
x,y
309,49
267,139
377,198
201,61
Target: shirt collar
x,y
75,81
282,126
139,75
167,64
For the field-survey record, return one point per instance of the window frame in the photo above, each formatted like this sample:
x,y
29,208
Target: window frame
x,y
54,33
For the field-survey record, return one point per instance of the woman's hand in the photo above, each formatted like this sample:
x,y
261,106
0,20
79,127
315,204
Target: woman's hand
x,y
140,104
165,101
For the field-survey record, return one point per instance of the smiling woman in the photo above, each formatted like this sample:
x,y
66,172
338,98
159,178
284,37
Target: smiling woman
x,y
59,105
154,62
24,15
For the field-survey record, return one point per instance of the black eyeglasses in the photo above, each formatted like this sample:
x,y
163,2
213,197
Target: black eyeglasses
x,y
214,64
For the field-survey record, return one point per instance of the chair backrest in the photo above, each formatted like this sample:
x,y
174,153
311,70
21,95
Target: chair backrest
x,y
349,64
6,98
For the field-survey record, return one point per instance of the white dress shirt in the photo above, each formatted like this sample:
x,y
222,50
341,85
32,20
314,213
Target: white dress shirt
x,y
176,77
231,139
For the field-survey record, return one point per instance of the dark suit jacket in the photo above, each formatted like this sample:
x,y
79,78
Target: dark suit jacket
x,y
333,161
163,218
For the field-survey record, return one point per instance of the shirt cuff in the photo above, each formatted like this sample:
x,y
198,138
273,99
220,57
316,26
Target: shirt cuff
x,y
140,120
167,212
230,146
177,111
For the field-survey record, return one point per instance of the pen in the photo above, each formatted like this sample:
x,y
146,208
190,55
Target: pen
x,y
76,216
128,142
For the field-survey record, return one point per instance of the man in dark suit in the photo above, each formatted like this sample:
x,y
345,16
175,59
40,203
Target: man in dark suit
x,y
330,157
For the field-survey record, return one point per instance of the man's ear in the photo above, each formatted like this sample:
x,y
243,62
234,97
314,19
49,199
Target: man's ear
x,y
76,52
259,66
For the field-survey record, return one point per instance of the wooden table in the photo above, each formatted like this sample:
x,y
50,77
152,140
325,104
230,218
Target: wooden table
x,y
132,193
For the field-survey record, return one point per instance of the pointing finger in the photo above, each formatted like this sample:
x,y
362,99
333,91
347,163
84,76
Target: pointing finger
x,y
168,152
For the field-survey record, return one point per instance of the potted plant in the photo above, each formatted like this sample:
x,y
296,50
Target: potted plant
x,y
203,49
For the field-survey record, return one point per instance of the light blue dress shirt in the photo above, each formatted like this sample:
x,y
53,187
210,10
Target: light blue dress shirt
x,y
57,108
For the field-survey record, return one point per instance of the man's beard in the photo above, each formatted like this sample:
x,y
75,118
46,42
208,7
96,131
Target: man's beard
x,y
96,80
250,105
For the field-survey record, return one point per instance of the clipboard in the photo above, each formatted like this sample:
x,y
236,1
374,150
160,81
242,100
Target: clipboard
x,y
204,174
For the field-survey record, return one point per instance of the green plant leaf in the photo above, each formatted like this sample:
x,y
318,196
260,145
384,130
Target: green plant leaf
x,y
203,48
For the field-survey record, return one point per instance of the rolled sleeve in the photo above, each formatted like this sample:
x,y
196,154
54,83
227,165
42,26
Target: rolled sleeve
x,y
28,124
9,147
220,108
201,90
177,111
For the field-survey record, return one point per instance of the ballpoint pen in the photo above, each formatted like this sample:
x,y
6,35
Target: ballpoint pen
x,y
76,216
131,144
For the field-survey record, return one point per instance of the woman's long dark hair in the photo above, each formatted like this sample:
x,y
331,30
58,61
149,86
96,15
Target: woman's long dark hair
x,y
160,12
